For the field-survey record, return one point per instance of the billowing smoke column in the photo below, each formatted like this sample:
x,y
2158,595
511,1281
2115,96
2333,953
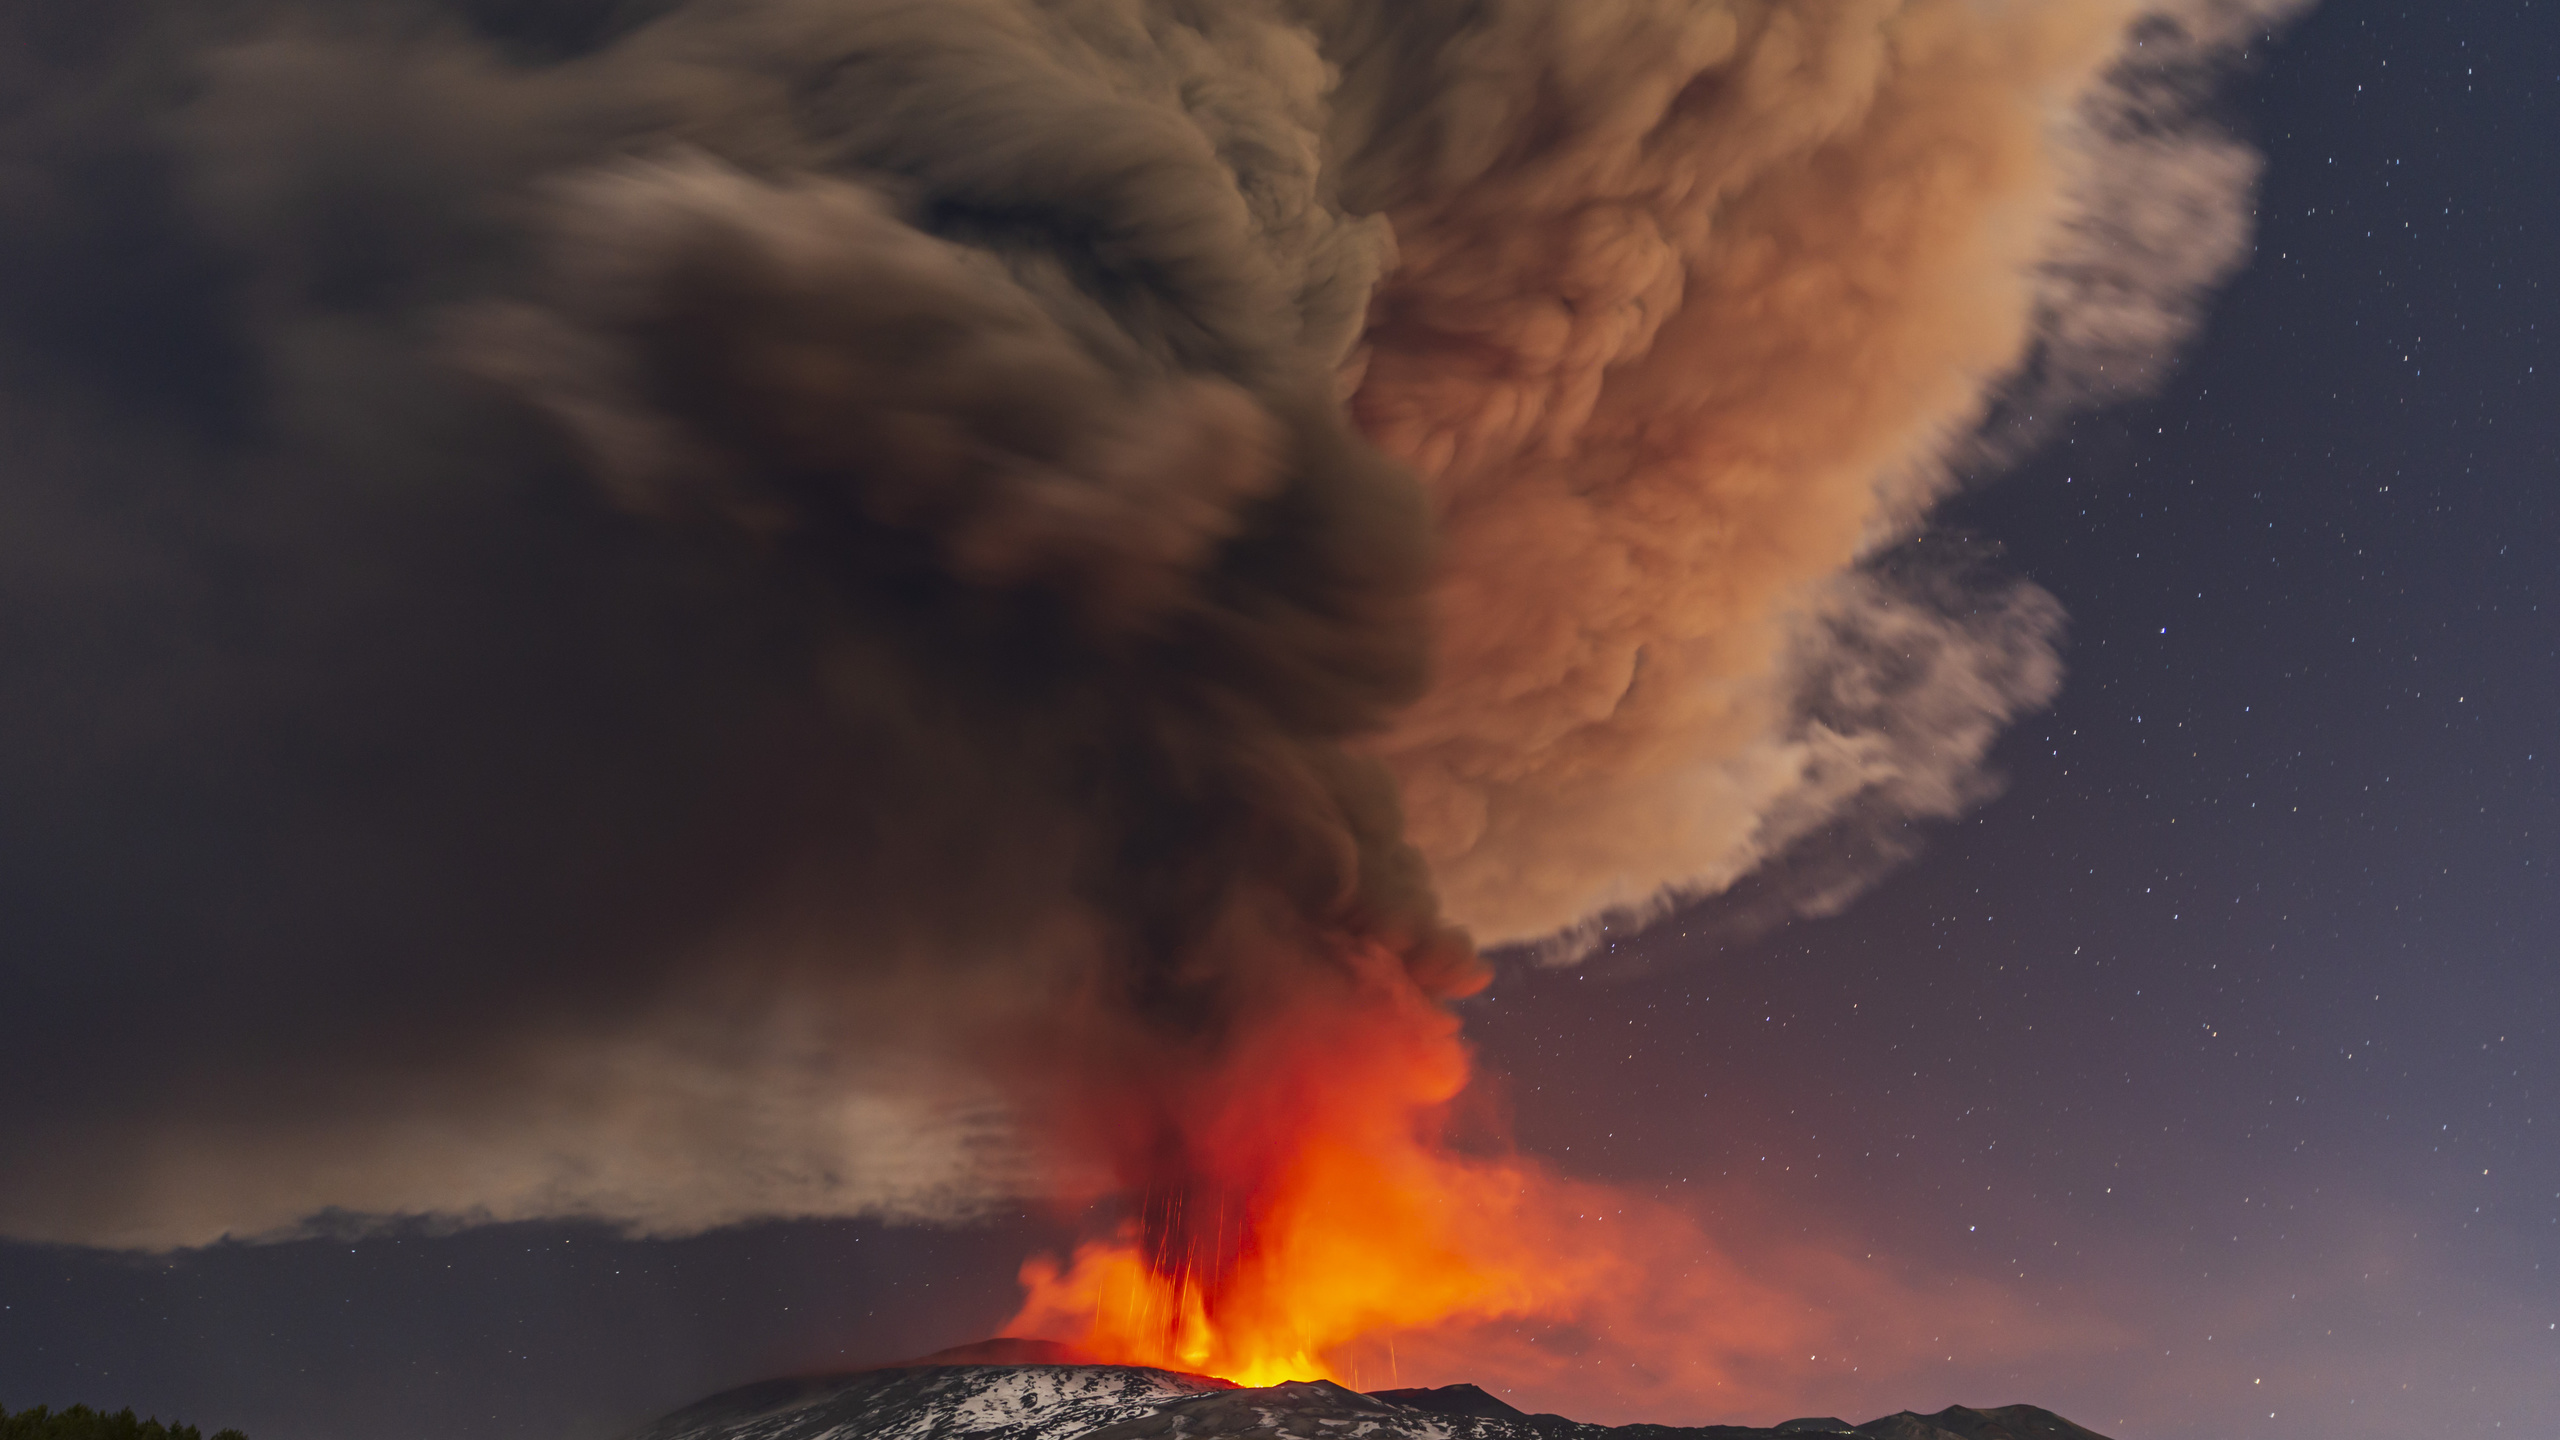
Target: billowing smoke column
x,y
686,611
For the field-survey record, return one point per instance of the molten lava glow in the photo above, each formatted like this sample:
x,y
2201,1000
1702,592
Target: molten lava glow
x,y
1314,1202
1302,1214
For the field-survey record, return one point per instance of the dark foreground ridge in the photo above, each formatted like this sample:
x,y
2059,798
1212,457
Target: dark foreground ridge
x,y
1017,1401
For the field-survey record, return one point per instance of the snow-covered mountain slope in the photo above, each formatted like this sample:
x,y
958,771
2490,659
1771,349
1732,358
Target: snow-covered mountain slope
x,y
1111,1402
936,1402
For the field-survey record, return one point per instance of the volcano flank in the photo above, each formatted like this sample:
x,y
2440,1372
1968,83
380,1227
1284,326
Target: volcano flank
x,y
1045,1401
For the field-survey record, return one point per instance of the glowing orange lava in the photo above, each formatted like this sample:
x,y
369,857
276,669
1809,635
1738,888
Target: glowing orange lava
x,y
1310,1200
1302,1210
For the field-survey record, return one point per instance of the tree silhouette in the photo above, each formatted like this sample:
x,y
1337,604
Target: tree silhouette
x,y
82,1423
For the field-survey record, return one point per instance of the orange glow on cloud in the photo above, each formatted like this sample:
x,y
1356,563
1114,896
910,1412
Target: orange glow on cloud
x,y
1323,1223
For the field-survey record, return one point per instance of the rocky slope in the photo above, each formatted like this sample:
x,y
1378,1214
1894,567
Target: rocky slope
x,y
1111,1402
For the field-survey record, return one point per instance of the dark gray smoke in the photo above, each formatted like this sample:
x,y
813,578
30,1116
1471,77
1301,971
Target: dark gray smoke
x,y
519,524
670,611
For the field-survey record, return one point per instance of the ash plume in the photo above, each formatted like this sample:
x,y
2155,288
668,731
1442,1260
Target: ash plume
x,y
1695,307
686,611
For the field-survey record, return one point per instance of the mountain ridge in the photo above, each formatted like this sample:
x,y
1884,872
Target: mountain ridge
x,y
1000,1398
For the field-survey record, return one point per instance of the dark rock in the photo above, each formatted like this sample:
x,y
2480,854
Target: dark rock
x,y
2009,1422
1451,1400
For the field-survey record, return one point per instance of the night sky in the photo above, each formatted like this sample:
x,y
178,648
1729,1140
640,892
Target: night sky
x,y
2221,1043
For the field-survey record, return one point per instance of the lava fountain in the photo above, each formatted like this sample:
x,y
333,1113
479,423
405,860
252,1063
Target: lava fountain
x,y
1306,1193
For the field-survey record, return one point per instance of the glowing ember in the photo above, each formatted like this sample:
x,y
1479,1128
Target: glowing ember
x,y
1303,1196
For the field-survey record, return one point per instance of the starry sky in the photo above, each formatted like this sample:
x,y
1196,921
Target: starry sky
x,y
2223,1041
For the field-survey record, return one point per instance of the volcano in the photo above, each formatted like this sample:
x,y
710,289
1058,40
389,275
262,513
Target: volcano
x,y
1026,1391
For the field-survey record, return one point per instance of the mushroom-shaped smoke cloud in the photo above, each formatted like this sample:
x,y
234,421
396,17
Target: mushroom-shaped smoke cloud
x,y
684,611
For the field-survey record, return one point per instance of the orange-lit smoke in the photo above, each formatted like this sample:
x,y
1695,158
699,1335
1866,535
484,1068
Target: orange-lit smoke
x,y
1192,507
1680,352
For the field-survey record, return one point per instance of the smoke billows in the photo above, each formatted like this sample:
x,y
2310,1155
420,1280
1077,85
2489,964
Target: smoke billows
x,y
686,611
